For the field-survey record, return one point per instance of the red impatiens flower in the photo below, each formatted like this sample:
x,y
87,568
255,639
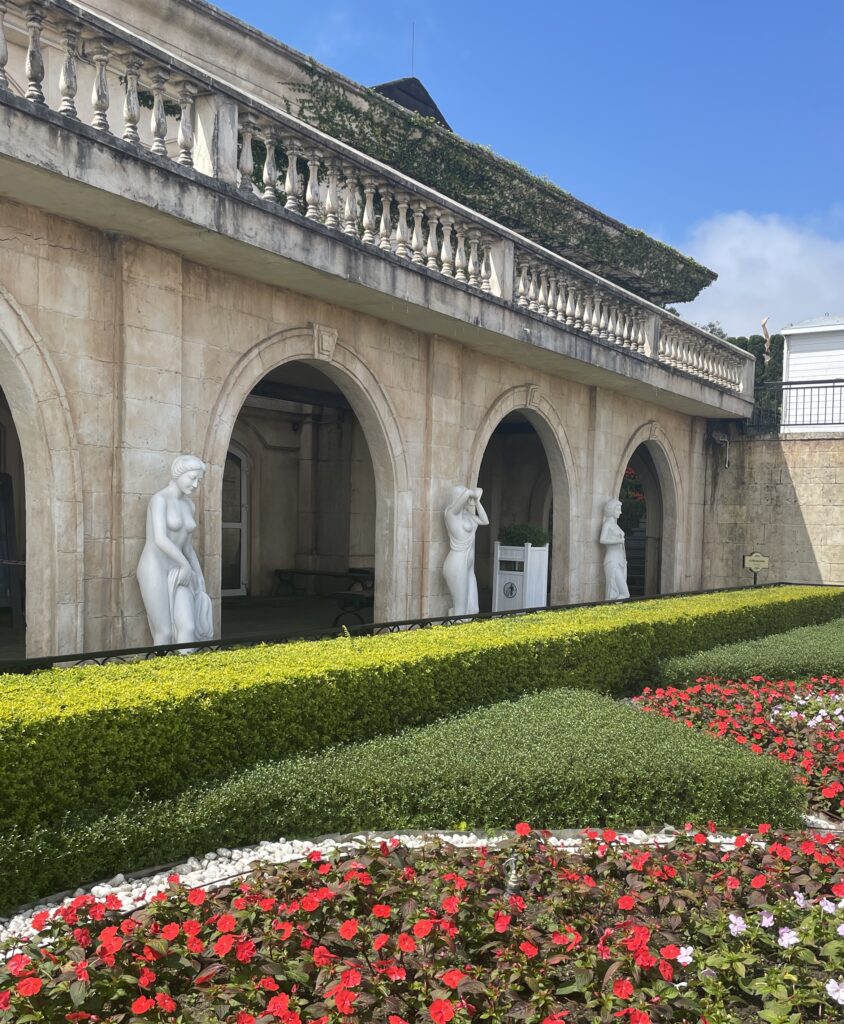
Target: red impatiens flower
x,y
528,948
165,1002
382,910
522,829
196,897
170,931
423,928
627,902
29,986
406,943
142,1004
18,965
758,882
441,1011
146,978
453,977
223,945
623,988
348,929
501,922
226,923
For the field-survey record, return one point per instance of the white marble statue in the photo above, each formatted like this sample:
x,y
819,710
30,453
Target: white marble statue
x,y
615,557
463,516
171,581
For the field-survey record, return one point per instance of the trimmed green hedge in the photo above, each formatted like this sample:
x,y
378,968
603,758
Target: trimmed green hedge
x,y
796,654
94,739
560,759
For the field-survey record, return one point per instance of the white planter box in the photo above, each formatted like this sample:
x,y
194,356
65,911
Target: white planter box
x,y
519,577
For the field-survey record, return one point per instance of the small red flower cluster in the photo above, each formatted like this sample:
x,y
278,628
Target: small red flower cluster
x,y
437,935
773,718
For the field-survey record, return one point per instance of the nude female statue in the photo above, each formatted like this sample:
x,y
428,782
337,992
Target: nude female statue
x,y
463,516
615,557
169,575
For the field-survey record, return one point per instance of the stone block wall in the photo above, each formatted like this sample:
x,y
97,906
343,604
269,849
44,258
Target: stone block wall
x,y
783,497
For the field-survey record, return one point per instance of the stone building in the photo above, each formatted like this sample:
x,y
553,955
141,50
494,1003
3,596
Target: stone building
x,y
186,265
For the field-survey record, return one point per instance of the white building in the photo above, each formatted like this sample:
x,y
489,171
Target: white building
x,y
813,376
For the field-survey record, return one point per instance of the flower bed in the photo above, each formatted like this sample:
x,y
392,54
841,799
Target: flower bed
x,y
697,932
801,724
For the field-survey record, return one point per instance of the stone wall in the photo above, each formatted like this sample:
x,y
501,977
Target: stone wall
x,y
779,496
116,355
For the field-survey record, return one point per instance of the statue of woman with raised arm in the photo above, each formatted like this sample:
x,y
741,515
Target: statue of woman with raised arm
x,y
169,575
615,557
463,516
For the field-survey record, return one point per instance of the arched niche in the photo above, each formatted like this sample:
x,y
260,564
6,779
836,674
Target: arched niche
x,y
318,347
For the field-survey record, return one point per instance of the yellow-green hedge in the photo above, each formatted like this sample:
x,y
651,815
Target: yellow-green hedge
x,y
89,740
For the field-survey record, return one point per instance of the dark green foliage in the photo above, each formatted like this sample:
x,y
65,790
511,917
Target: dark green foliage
x,y
520,534
92,740
797,654
502,190
559,759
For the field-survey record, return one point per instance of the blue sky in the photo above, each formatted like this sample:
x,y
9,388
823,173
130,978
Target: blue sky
x,y
714,126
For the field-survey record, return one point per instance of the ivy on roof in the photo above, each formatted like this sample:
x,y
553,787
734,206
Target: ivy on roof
x,y
501,189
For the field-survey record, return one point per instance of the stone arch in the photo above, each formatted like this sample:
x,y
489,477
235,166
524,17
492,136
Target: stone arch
x,y
528,400
670,478
319,346
52,482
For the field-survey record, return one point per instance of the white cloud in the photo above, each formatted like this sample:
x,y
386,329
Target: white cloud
x,y
767,266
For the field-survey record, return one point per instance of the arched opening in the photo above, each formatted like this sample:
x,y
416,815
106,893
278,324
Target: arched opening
x,y
12,538
518,487
298,509
642,521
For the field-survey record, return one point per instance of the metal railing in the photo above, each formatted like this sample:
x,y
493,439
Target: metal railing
x,y
798,405
125,655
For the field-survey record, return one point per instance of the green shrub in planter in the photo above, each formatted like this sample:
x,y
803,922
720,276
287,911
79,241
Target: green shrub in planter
x,y
560,759
523,533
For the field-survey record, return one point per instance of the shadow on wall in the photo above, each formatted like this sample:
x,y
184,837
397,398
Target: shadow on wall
x,y
781,497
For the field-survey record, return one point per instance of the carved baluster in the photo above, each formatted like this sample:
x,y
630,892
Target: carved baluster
x,y
446,252
246,163
34,56
542,295
269,175
67,75
312,211
560,310
552,296
158,117
486,263
612,313
587,312
432,250
402,228
602,318
417,239
4,50
533,288
369,221
131,106
597,303
99,92
460,261
350,203
291,176
473,265
579,308
571,303
331,200
522,282
385,226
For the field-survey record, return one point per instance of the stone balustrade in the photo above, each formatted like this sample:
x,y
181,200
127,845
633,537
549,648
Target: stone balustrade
x,y
156,102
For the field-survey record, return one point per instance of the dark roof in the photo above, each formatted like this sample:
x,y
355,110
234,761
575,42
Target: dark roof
x,y
412,94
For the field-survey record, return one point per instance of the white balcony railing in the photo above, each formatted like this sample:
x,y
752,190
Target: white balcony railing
x,y
199,121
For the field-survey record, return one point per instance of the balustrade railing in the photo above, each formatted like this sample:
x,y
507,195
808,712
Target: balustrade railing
x,y
273,157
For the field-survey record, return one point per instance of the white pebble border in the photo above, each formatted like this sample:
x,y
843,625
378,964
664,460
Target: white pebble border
x,y
223,865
